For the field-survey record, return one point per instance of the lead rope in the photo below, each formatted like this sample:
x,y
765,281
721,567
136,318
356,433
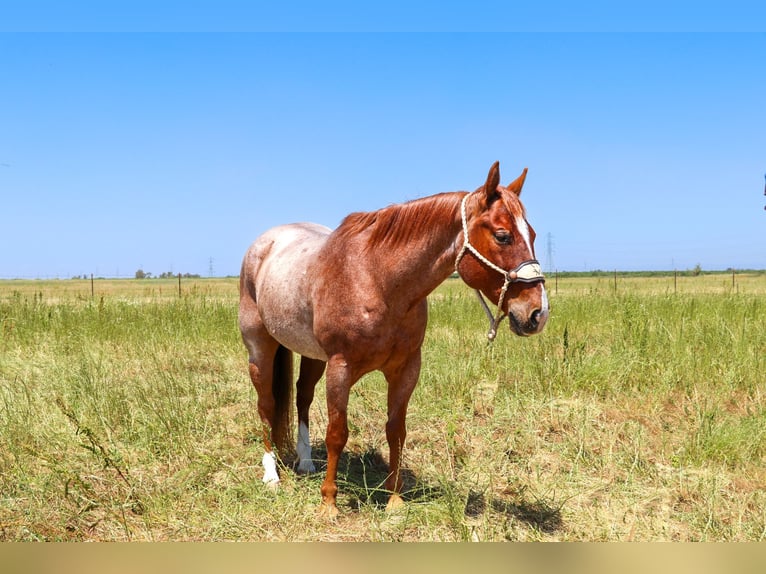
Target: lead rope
x,y
531,269
494,321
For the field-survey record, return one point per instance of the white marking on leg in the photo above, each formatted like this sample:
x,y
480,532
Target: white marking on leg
x,y
305,464
270,475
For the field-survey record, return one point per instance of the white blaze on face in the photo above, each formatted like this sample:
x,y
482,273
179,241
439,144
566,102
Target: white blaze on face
x,y
523,228
544,309
305,464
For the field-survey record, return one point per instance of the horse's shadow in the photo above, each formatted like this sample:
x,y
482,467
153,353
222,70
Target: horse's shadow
x,y
362,474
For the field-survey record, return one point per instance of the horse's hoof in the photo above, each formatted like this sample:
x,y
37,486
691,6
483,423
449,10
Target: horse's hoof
x,y
394,502
306,467
328,511
272,485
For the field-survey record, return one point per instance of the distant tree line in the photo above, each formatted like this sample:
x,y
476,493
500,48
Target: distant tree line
x,y
141,274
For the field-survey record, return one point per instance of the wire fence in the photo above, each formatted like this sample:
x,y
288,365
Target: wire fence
x,y
557,284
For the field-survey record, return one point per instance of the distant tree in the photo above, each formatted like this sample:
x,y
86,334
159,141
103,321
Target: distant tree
x,y
697,270
141,274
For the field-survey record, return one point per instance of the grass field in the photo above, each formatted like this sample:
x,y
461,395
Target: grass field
x,y
639,414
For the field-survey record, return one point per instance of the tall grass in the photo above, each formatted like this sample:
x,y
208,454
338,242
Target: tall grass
x,y
638,414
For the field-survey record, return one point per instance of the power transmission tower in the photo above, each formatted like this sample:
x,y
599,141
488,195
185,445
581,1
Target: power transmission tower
x,y
549,248
210,268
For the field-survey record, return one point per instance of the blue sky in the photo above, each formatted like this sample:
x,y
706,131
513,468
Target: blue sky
x,y
164,150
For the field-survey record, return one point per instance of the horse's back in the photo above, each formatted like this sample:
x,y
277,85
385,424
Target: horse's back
x,y
276,281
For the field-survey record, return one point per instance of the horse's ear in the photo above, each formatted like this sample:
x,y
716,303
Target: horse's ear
x,y
493,181
516,185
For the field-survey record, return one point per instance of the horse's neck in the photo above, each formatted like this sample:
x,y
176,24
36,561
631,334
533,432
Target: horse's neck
x,y
428,260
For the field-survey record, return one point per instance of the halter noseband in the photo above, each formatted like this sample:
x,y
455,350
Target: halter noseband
x,y
525,272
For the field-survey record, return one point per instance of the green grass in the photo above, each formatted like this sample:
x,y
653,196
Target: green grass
x,y
639,414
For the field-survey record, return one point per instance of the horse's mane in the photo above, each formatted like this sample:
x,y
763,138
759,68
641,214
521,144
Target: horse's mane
x,y
399,224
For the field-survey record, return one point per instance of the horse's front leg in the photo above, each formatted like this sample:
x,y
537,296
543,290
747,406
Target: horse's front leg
x,y
401,382
339,379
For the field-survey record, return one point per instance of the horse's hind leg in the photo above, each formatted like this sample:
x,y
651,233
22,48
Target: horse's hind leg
x,y
262,349
261,372
310,372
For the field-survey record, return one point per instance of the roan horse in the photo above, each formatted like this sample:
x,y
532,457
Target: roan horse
x,y
353,300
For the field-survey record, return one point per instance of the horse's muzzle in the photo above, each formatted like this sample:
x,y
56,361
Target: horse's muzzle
x,y
524,324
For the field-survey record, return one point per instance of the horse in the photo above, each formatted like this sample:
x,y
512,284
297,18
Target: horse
x,y
353,300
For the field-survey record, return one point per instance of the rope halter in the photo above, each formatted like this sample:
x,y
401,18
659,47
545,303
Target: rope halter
x,y
525,272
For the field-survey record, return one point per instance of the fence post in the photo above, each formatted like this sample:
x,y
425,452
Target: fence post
x,y
179,284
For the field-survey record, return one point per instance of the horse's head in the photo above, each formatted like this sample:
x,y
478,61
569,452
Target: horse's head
x,y
498,254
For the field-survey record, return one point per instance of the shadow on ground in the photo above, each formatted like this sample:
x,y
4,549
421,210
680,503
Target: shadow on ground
x,y
361,478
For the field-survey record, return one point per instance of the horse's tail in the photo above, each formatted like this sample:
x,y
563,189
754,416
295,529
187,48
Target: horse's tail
x,y
282,389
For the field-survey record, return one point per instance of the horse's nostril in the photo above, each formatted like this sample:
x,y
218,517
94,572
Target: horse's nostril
x,y
534,318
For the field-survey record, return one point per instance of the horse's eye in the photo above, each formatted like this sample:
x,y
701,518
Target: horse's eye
x,y
503,237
